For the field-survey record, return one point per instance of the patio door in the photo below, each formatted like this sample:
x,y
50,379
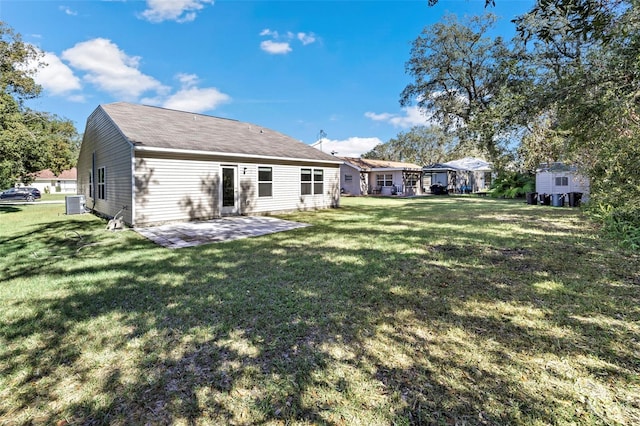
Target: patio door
x,y
229,190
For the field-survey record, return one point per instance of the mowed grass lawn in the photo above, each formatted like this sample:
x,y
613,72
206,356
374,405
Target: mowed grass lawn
x,y
435,310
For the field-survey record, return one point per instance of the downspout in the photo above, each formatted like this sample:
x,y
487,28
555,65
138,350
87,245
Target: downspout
x,y
133,185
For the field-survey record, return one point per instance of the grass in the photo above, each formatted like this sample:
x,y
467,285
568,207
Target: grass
x,y
437,310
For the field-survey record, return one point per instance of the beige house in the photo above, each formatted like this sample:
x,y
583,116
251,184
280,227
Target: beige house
x,y
48,182
360,176
159,165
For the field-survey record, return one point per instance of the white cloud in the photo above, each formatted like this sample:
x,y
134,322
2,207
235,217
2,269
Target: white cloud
x,y
412,116
68,11
173,10
281,44
110,69
306,38
351,147
196,99
56,77
268,32
192,98
275,48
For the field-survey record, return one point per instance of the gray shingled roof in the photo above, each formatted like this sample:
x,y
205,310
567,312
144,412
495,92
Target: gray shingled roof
x,y
153,127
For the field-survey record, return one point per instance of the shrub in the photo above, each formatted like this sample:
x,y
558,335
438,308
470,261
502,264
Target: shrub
x,y
510,184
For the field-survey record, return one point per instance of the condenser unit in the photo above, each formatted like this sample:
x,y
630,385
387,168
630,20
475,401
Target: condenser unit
x,y
75,204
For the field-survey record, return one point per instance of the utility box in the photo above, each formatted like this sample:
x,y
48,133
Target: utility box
x,y
75,204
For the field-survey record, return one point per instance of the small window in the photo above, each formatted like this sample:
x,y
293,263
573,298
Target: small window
x,y
305,181
90,184
562,181
102,184
265,182
348,178
318,181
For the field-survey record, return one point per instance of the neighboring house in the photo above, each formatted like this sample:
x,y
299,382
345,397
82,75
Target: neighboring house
x,y
160,165
360,176
47,182
560,178
466,175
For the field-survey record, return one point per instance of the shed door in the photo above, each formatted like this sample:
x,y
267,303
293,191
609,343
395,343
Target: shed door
x,y
229,189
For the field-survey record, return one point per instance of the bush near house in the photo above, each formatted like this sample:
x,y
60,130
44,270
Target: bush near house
x,y
509,184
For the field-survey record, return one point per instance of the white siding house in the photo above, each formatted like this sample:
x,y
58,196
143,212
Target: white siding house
x,y
48,182
559,178
159,165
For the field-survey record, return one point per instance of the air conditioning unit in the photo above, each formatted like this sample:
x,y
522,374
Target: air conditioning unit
x,y
75,204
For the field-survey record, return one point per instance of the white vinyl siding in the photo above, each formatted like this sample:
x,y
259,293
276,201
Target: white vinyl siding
x,y
113,152
179,189
562,183
172,189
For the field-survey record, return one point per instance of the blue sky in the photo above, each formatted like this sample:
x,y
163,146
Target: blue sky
x,y
297,67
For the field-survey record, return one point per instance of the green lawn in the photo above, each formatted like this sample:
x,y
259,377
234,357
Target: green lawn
x,y
436,310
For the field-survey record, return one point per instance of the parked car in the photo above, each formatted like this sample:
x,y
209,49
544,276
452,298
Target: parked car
x,y
22,193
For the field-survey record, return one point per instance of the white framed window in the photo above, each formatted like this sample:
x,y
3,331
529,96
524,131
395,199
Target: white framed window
x,y
311,181
305,181
562,181
265,181
318,181
101,182
384,180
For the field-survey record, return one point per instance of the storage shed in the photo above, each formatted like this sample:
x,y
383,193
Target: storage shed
x,y
560,178
158,165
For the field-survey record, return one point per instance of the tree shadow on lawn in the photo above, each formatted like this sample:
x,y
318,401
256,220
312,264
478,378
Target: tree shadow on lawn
x,y
277,329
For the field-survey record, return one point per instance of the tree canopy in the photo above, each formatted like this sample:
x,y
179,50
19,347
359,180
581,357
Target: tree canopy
x,y
421,145
29,141
461,77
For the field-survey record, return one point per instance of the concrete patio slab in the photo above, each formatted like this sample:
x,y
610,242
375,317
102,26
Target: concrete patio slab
x,y
190,234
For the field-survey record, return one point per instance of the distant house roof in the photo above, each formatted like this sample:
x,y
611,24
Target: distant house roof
x,y
369,165
47,174
160,129
467,164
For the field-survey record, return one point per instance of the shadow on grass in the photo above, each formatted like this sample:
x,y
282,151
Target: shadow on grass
x,y
435,323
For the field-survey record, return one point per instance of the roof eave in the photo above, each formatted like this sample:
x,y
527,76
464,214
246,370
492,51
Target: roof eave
x,y
231,154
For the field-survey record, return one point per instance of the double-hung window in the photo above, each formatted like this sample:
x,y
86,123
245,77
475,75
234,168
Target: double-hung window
x,y
311,181
318,181
305,181
384,180
265,181
102,183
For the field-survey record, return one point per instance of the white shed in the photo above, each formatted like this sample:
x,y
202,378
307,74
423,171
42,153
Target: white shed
x,y
560,178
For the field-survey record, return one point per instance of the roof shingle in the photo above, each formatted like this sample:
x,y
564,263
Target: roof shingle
x,y
148,127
